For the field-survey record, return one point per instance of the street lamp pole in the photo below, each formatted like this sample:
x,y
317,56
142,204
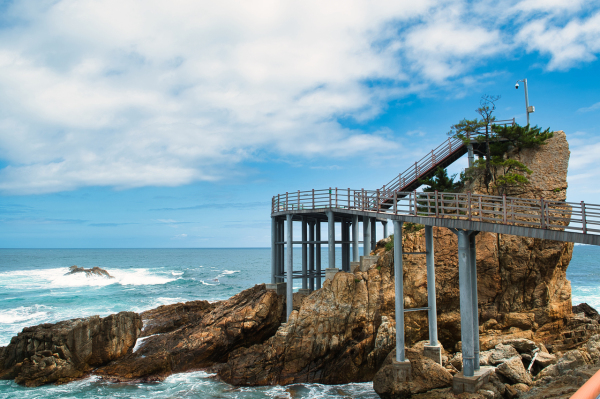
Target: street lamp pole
x,y
528,109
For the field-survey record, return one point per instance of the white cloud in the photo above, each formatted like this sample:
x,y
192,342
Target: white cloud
x,y
129,93
592,107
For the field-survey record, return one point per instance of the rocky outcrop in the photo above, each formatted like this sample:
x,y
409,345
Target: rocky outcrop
x,y
195,335
94,271
62,352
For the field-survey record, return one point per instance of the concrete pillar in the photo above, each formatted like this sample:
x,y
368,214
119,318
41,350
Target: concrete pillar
x,y
311,255
331,239
466,306
273,250
373,233
304,254
366,236
473,267
355,253
433,333
399,291
385,229
289,267
318,253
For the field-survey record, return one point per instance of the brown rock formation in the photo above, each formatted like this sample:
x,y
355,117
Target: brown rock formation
x,y
69,349
94,271
197,335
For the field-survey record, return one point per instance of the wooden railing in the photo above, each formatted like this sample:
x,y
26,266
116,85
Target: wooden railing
x,y
537,213
433,159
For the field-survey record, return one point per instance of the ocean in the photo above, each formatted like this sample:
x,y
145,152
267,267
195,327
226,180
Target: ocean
x,y
35,290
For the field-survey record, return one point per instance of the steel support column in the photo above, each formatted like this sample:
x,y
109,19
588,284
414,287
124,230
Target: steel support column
x,y
273,250
311,255
331,239
466,305
355,253
433,333
281,252
318,253
289,268
366,236
344,245
385,229
373,234
473,267
471,155
304,254
399,290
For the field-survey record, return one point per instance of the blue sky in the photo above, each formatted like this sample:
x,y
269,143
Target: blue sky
x,y
171,124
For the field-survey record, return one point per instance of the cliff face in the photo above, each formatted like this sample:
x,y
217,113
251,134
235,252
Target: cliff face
x,y
343,332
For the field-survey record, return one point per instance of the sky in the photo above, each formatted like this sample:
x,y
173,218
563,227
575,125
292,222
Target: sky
x,y
142,124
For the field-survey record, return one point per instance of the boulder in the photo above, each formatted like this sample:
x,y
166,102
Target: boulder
x,y
207,336
569,361
500,354
64,351
593,347
522,345
513,370
587,310
426,375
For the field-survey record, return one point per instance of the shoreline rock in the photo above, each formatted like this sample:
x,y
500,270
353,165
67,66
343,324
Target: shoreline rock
x,y
94,271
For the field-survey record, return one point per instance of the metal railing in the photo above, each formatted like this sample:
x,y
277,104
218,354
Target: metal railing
x,y
434,158
537,213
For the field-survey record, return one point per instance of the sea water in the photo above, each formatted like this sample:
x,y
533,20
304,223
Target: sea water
x,y
34,289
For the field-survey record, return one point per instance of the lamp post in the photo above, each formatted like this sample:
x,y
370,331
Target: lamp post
x,y
528,109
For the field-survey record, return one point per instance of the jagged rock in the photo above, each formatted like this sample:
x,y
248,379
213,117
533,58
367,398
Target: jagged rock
x,y
562,386
522,345
500,354
167,318
206,338
513,370
587,310
545,359
426,376
569,361
64,351
94,271
593,347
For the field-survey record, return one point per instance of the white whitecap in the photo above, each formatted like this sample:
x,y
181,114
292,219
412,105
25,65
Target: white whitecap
x,y
176,273
24,313
205,283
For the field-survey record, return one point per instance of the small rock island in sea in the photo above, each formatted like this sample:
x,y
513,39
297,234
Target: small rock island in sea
x,y
537,343
94,271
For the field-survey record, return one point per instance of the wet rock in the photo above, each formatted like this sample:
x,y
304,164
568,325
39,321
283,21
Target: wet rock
x,y
426,375
94,271
64,351
514,370
205,338
587,310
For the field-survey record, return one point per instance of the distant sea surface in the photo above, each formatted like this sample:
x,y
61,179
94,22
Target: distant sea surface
x,y
35,290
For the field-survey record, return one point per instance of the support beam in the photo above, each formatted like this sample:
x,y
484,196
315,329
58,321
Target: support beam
x,y
331,239
471,155
433,333
355,253
304,253
311,255
366,236
281,252
373,234
385,229
466,306
318,254
473,267
399,291
289,268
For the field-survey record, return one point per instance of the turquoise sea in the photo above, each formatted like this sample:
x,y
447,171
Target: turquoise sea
x,y
34,290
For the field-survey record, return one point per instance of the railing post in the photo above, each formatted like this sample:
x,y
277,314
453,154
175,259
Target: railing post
x,y
480,214
329,197
416,171
469,204
348,197
336,197
377,200
415,202
287,201
298,199
399,182
395,202
362,198
542,218
449,146
437,210
583,218
278,202
504,208
313,198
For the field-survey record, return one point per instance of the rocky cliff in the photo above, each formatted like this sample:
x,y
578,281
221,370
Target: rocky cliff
x,y
62,352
